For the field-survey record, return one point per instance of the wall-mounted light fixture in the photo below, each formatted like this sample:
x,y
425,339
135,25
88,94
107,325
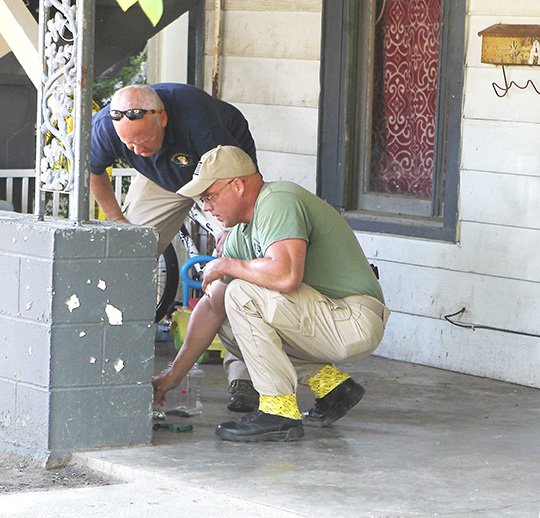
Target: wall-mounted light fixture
x,y
511,45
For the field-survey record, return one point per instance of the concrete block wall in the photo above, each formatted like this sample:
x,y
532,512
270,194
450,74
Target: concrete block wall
x,y
76,335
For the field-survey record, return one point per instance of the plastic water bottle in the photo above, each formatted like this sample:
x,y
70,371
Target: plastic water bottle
x,y
194,384
189,392
184,398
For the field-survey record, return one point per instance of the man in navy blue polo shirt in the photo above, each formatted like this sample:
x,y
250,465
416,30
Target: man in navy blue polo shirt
x,y
162,131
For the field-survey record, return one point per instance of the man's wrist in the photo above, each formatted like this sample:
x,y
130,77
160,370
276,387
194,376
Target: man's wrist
x,y
172,375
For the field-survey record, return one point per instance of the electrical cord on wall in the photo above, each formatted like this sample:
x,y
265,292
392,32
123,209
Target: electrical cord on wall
x,y
478,326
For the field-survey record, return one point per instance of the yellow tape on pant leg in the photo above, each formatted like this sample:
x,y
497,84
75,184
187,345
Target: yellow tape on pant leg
x,y
326,380
285,406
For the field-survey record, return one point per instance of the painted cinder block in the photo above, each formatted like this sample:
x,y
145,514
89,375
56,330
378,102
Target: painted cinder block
x,y
23,235
7,407
24,351
76,355
69,314
107,416
82,242
32,416
9,300
137,243
128,353
36,289
84,289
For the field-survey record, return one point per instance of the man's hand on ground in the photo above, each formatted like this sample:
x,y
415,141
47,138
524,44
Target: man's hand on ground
x,y
162,383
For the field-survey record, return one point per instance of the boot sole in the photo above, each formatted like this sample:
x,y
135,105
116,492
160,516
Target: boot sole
x,y
292,434
352,399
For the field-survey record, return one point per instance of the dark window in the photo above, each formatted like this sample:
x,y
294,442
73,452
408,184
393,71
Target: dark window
x,y
392,79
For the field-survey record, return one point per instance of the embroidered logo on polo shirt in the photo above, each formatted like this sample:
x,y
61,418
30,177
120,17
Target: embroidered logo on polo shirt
x,y
182,160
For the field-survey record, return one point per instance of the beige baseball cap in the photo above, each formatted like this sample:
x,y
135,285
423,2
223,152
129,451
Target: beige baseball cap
x,y
218,163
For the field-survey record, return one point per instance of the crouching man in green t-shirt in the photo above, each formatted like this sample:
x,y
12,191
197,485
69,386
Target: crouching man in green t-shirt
x,y
293,293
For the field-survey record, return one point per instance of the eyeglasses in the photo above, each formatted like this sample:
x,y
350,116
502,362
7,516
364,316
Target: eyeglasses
x,y
209,198
132,114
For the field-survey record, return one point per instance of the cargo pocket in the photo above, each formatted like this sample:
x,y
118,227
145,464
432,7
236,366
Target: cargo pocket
x,y
295,312
338,309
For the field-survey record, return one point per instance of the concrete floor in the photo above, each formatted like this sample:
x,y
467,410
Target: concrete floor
x,y
423,442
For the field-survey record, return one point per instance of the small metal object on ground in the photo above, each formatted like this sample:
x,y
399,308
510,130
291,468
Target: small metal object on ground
x,y
173,427
158,415
178,413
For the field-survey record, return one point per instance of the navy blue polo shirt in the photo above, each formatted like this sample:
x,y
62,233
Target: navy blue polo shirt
x,y
197,122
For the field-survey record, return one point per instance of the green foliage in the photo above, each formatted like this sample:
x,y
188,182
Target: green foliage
x,y
110,81
105,85
63,205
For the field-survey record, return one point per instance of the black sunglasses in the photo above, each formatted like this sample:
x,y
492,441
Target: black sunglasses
x,y
132,114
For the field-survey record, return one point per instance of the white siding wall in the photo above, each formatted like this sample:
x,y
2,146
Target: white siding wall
x,y
167,53
494,271
270,71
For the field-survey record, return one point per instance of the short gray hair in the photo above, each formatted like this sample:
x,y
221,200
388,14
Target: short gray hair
x,y
144,96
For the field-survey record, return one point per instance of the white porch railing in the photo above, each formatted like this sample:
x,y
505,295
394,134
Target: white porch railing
x,y
22,176
19,189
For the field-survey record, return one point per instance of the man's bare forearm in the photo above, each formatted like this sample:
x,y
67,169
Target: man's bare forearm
x,y
101,189
202,328
204,323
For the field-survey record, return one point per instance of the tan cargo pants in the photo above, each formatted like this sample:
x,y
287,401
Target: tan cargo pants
x,y
287,338
147,203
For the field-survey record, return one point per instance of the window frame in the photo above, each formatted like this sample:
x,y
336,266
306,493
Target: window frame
x,y
196,27
344,117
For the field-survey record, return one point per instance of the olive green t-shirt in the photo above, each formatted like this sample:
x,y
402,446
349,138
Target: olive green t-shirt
x,y
335,263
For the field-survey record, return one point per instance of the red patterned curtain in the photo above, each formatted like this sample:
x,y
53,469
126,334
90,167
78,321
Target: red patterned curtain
x,y
405,94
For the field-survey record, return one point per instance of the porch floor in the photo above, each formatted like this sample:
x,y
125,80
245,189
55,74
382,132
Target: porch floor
x,y
423,442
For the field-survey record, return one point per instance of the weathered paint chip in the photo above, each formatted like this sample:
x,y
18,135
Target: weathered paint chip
x,y
73,302
114,315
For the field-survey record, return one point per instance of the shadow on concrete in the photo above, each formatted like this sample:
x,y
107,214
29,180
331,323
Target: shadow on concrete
x,y
423,442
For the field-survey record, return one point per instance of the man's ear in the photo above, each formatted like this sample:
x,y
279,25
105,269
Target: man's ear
x,y
240,184
163,118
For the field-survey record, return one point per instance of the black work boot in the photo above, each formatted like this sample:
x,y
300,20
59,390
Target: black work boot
x,y
244,398
335,404
260,426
